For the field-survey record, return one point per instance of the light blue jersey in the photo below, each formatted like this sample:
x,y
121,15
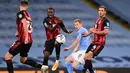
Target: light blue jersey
x,y
84,41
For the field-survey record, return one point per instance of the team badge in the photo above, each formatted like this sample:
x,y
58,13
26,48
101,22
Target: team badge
x,y
20,15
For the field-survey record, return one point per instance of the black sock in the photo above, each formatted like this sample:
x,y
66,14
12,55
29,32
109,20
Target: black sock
x,y
9,66
86,66
57,46
33,63
57,57
90,68
45,62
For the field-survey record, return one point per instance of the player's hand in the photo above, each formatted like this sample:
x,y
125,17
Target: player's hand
x,y
70,31
84,34
93,30
26,41
66,49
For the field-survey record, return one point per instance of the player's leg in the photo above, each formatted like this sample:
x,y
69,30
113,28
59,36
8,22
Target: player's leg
x,y
68,64
14,50
80,60
8,59
57,49
24,49
88,62
88,56
45,61
49,46
75,64
95,49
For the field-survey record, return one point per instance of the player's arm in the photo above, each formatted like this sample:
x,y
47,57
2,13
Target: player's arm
x,y
22,17
106,25
73,44
87,34
64,28
25,26
77,40
76,48
104,32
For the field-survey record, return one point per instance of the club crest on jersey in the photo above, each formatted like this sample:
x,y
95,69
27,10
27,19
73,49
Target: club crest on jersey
x,y
20,15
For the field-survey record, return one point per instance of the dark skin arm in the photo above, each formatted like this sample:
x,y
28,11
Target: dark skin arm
x,y
64,28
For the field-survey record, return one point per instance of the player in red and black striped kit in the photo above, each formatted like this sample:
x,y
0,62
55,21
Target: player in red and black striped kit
x,y
100,30
52,25
24,41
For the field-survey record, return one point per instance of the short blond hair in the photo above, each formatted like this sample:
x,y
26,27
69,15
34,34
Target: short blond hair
x,y
78,20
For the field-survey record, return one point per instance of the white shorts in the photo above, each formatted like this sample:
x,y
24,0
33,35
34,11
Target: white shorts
x,y
79,56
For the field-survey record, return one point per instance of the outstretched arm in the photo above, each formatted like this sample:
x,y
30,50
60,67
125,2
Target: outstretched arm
x,y
87,34
76,48
73,44
64,28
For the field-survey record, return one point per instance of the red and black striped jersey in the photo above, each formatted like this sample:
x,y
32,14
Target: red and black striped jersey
x,y
101,24
52,27
20,28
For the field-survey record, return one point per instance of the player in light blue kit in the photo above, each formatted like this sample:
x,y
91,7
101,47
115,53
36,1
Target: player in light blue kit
x,y
81,44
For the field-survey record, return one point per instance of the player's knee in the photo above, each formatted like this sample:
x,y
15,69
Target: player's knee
x,y
69,59
74,65
22,60
8,56
87,56
66,60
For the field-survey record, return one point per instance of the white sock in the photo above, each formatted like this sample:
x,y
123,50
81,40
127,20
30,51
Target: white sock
x,y
57,61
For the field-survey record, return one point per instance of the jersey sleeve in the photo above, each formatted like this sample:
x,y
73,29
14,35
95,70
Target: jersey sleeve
x,y
20,15
45,23
79,34
61,23
106,24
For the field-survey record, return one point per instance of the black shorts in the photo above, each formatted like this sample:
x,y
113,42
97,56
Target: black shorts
x,y
50,45
95,48
21,48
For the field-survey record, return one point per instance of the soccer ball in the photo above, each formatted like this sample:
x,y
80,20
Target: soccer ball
x,y
60,38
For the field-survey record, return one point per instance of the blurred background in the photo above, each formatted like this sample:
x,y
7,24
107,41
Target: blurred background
x,y
114,58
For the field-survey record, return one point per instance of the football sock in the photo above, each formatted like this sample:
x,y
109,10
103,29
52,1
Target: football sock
x,y
79,67
9,66
33,63
68,65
